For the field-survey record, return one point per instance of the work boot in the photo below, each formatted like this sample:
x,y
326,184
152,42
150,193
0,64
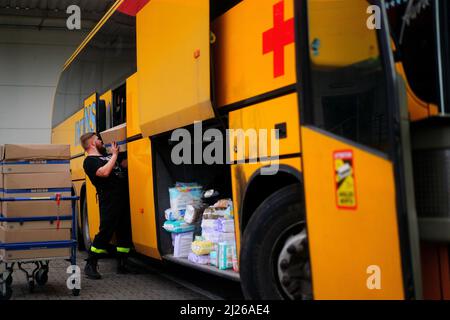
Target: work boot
x,y
123,267
122,264
91,268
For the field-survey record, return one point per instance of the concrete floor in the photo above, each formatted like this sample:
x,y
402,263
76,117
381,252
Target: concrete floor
x,y
146,285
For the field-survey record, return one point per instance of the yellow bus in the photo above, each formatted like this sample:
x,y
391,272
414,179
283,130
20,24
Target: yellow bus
x,y
355,100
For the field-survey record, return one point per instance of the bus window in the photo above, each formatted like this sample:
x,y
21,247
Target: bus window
x,y
348,83
418,38
104,63
119,109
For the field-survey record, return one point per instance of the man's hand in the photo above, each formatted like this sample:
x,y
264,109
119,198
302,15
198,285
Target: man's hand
x,y
106,170
114,149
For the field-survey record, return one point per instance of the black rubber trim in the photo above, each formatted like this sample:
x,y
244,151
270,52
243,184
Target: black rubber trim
x,y
134,138
280,157
259,98
78,155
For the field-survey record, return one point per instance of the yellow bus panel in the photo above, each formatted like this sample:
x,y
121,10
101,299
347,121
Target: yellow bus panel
x,y
351,248
351,36
173,64
254,50
140,178
281,113
133,125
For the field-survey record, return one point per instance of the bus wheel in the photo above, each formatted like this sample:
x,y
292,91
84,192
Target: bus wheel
x,y
274,259
86,237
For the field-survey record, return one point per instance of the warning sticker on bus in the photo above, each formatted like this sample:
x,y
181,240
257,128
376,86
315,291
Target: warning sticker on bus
x,y
344,179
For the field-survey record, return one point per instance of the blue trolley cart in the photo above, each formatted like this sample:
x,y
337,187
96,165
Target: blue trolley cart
x,y
39,274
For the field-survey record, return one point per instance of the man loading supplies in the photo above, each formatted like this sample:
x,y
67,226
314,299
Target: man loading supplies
x,y
108,174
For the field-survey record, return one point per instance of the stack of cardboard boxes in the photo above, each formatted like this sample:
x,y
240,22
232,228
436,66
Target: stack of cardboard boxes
x,y
35,171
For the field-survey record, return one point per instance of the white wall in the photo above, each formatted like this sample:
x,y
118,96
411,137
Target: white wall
x,y
30,63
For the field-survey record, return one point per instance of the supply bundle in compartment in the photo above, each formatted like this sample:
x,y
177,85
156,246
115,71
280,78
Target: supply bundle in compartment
x,y
35,171
184,197
218,230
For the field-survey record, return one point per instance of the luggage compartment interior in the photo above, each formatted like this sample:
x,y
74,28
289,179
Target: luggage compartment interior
x,y
166,174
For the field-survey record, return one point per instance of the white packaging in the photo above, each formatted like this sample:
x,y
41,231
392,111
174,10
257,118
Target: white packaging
x,y
202,259
209,224
182,244
172,215
224,225
192,213
182,195
216,236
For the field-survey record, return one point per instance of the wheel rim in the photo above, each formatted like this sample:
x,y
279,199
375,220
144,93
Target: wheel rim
x,y
291,263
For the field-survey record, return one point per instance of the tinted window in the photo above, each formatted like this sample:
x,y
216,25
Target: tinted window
x,y
105,63
418,49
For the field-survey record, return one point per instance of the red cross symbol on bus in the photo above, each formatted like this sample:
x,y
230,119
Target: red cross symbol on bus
x,y
275,39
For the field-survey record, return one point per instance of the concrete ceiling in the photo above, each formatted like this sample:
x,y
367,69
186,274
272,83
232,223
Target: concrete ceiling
x,y
49,14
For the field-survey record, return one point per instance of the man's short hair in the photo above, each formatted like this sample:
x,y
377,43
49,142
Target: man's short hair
x,y
84,139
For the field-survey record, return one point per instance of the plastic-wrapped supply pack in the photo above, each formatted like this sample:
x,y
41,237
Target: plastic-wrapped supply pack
x,y
193,212
217,236
213,258
209,224
182,244
178,226
184,194
224,225
172,215
221,209
235,258
202,247
198,259
225,255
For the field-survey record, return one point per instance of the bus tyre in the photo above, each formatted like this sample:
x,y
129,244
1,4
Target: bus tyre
x,y
85,230
274,259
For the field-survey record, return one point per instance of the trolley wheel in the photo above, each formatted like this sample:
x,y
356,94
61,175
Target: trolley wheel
x,y
41,276
75,292
6,295
31,286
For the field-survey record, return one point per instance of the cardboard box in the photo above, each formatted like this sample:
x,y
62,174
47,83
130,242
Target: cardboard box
x,y
17,236
36,152
36,166
2,152
29,183
34,225
117,134
1,191
36,185
34,254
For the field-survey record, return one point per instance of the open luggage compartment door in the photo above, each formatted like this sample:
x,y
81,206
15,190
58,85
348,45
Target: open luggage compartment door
x,y
359,207
173,58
